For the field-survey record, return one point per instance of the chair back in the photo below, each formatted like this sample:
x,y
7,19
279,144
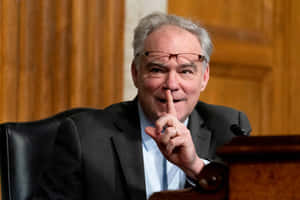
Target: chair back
x,y
25,151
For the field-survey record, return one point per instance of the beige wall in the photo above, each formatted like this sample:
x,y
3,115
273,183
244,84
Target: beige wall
x,y
134,10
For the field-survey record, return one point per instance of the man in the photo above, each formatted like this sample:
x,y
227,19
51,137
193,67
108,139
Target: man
x,y
155,142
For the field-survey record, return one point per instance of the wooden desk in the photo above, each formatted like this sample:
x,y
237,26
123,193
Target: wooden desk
x,y
263,167
259,168
213,186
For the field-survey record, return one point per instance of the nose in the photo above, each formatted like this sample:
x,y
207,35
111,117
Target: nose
x,y
171,82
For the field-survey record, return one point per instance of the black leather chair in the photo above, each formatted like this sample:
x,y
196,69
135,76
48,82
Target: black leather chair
x,y
26,149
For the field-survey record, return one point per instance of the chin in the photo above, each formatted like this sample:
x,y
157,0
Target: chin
x,y
181,118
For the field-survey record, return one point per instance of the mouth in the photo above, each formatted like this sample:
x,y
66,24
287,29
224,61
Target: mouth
x,y
162,100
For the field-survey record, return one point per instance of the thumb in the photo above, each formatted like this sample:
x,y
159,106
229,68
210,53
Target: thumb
x,y
151,131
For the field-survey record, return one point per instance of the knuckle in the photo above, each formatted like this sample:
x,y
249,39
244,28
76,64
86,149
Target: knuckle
x,y
171,143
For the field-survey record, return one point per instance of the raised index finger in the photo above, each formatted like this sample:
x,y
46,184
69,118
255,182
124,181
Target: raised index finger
x,y
170,104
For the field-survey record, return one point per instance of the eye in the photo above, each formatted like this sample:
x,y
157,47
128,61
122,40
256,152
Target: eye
x,y
187,71
155,70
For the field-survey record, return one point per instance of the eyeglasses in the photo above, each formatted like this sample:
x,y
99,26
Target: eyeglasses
x,y
155,67
181,58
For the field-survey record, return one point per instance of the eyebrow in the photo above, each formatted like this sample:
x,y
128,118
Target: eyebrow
x,y
149,64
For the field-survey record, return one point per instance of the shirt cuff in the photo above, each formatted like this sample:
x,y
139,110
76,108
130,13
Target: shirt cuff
x,y
193,182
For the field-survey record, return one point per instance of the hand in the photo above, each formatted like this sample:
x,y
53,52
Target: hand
x,y
174,140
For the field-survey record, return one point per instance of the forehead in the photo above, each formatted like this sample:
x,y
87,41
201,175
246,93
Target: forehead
x,y
172,39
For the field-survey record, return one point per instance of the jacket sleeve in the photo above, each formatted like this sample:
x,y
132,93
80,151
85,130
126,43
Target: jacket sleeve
x,y
244,123
63,179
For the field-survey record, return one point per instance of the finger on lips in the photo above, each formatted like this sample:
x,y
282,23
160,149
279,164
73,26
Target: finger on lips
x,y
170,104
167,126
169,119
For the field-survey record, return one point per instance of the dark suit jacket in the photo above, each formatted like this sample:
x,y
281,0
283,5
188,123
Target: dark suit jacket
x,y
98,155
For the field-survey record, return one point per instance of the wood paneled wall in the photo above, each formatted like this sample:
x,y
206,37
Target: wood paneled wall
x,y
59,54
293,65
254,66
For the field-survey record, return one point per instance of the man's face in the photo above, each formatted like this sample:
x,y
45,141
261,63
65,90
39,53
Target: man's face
x,y
182,74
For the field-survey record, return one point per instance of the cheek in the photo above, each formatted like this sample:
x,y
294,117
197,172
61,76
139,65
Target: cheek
x,y
151,84
192,87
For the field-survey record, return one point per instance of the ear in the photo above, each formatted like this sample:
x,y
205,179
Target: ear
x,y
134,73
205,78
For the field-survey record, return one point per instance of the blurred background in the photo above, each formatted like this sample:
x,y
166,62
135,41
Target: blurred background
x,y
60,54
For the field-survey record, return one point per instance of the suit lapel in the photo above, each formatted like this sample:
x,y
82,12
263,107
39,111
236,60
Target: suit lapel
x,y
128,145
129,149
200,135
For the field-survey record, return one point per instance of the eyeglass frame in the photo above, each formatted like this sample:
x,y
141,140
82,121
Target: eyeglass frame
x,y
201,58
